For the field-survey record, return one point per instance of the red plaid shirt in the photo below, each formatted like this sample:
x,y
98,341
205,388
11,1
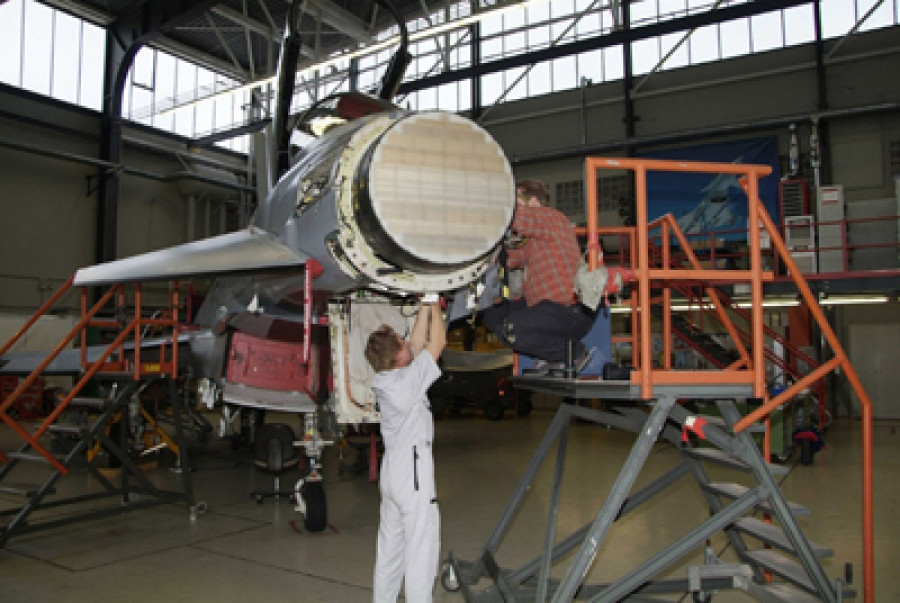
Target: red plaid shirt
x,y
550,256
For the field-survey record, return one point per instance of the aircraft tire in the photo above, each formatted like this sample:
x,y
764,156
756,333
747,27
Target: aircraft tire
x,y
314,496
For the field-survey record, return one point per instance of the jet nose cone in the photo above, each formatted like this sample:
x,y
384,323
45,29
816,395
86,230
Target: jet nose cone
x,y
440,191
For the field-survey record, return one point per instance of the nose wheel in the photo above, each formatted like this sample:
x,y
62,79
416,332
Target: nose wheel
x,y
310,499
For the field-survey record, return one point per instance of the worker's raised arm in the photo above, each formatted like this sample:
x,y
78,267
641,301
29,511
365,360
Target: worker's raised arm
x,y
437,334
419,333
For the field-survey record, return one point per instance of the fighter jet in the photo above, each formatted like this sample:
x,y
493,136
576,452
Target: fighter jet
x,y
384,206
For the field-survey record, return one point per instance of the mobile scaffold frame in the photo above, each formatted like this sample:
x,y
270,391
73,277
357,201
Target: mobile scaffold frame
x,y
658,389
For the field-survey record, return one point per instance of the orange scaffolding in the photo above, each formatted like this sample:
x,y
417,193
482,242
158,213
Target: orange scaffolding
x,y
113,358
750,368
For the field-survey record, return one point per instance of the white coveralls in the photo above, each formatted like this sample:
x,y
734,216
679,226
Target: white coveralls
x,y
409,531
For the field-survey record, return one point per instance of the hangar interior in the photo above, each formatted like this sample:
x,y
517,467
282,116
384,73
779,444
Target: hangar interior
x,y
136,156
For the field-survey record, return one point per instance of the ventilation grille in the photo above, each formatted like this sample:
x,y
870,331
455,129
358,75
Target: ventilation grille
x,y
794,198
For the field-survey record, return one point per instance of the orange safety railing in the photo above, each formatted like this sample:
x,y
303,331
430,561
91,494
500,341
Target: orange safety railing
x,y
112,358
686,290
698,308
750,368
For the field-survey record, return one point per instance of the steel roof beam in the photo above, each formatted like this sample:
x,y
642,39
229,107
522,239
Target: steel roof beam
x,y
603,41
203,59
342,20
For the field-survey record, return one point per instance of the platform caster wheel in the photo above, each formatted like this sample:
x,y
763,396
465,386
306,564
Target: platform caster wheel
x,y
448,578
806,452
702,597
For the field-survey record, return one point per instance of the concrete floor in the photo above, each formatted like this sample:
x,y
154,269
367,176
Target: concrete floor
x,y
240,551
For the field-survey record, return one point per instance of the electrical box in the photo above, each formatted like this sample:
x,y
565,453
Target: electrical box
x,y
830,214
799,233
793,198
805,260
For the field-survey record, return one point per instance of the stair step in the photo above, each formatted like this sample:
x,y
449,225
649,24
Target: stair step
x,y
67,428
720,422
25,490
716,576
114,375
723,458
786,593
781,566
32,456
775,536
88,402
732,490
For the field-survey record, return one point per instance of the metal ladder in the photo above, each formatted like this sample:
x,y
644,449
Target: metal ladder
x,y
60,442
761,573
33,478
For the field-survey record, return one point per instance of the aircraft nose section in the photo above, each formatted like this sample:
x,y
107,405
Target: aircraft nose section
x,y
435,192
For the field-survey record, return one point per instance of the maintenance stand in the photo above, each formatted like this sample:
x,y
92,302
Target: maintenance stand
x,y
648,404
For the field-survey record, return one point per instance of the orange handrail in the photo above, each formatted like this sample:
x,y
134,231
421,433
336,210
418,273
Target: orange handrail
x,y
750,370
37,315
88,369
720,301
54,353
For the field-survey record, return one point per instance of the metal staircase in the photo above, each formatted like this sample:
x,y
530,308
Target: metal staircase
x,y
792,573
647,404
700,341
59,445
795,577
695,337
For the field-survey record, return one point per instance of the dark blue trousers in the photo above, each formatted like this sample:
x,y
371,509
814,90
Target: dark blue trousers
x,y
540,331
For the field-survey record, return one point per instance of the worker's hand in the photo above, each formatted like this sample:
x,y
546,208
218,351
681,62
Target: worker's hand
x,y
515,241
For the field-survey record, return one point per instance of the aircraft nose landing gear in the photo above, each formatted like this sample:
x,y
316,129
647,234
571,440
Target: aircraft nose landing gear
x,y
309,497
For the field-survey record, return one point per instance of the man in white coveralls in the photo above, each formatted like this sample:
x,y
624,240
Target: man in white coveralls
x,y
409,530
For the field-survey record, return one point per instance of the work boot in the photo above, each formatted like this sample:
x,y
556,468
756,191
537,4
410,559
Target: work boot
x,y
579,364
542,368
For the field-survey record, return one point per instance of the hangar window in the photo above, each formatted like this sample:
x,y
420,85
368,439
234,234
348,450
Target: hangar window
x,y
612,193
570,200
180,96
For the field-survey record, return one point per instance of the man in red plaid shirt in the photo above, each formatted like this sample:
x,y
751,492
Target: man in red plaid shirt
x,y
548,315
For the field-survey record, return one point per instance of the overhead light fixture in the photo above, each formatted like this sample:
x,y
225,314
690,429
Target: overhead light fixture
x,y
323,124
772,302
620,309
788,302
853,300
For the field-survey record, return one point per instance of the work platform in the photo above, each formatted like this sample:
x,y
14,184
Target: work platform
x,y
621,390
647,404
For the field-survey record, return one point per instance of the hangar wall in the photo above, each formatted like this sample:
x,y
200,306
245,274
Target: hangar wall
x,y
48,153
737,98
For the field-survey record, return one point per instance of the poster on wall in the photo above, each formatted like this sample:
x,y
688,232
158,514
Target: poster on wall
x,y
713,204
